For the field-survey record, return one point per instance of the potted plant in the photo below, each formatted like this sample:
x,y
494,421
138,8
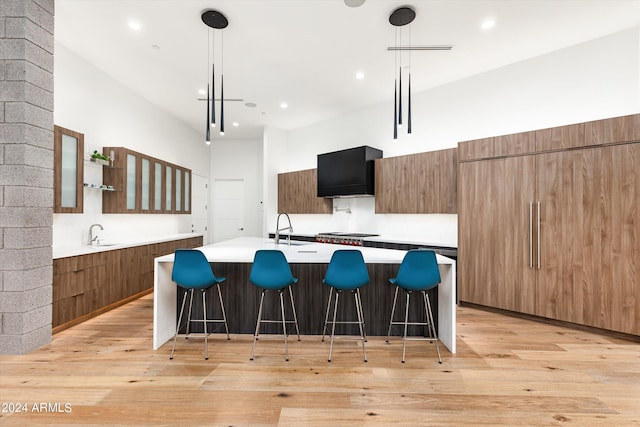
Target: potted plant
x,y
100,158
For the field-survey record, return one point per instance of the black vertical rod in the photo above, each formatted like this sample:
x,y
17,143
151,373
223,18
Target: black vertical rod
x,y
222,104
208,128
400,99
409,108
395,109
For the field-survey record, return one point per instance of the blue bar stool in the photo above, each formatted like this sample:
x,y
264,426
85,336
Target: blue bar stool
x,y
271,272
346,272
418,272
191,271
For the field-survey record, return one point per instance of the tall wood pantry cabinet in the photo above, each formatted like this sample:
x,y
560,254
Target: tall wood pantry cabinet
x,y
549,225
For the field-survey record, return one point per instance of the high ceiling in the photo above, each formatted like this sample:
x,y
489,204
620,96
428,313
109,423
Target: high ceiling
x,y
306,52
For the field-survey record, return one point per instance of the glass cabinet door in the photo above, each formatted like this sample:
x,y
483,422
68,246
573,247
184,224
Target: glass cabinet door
x,y
157,187
145,196
131,182
68,171
178,190
187,191
168,193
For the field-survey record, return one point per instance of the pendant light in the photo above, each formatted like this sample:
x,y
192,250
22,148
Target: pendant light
x,y
217,21
400,17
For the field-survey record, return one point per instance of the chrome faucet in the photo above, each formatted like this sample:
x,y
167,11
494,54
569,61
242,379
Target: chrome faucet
x,y
91,238
278,229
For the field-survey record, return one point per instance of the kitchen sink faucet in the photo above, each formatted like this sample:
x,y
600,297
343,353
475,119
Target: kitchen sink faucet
x,y
91,238
278,229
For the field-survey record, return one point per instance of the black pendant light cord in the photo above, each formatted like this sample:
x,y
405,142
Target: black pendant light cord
x,y
409,89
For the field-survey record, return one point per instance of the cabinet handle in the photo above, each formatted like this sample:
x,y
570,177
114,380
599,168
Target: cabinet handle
x,y
538,234
530,234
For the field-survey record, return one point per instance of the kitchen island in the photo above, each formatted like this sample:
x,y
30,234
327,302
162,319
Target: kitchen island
x,y
308,261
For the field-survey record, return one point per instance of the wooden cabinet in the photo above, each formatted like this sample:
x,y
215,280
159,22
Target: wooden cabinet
x,y
417,183
554,234
476,149
613,130
297,193
144,184
86,285
495,252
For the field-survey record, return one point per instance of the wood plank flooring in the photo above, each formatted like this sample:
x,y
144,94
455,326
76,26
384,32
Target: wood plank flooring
x,y
508,371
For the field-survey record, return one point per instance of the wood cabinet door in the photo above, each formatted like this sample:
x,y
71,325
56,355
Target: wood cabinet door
x,y
588,237
397,184
494,237
297,193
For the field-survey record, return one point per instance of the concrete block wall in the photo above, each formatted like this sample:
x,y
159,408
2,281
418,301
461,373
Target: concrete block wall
x,y
26,173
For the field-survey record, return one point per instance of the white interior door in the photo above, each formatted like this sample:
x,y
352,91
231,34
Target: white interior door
x,y
199,202
228,209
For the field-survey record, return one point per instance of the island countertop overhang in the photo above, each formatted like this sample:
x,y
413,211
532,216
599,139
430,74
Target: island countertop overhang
x,y
242,249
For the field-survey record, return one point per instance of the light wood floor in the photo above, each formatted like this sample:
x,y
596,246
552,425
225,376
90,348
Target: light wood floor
x,y
507,371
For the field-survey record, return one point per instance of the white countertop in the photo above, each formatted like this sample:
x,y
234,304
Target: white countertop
x,y
109,246
243,249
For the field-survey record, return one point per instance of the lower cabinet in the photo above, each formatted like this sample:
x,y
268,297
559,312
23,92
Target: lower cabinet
x,y
86,285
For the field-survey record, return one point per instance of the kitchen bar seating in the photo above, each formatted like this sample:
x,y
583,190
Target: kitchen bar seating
x,y
346,272
271,272
192,271
418,272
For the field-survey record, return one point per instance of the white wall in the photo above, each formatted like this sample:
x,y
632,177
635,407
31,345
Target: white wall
x,y
274,161
593,80
109,114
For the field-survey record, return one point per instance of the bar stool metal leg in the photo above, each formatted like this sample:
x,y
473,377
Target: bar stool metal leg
x,y
204,318
224,314
175,337
364,332
393,311
295,317
257,332
406,322
360,321
333,327
432,325
189,314
326,314
284,328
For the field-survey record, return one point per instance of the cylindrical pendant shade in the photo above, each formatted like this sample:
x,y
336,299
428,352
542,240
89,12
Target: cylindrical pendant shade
x,y
207,131
222,104
409,107
400,98
395,109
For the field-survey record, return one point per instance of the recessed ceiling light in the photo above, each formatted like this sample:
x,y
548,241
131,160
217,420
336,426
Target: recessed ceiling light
x,y
354,3
488,24
202,91
284,105
135,25
235,124
359,75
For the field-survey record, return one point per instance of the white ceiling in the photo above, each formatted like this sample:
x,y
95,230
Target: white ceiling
x,y
306,52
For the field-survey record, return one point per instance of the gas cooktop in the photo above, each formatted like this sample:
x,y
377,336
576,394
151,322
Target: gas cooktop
x,y
343,238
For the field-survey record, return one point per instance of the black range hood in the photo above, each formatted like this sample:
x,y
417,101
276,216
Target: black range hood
x,y
347,172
